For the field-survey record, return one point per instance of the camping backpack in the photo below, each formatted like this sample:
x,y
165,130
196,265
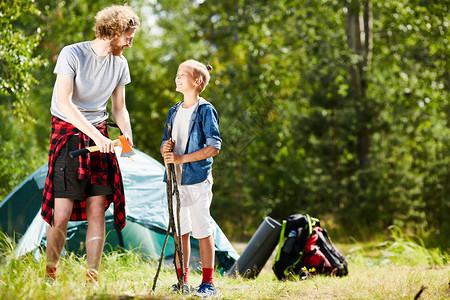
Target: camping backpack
x,y
307,249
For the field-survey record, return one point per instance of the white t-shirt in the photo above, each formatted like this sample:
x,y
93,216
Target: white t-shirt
x,y
95,78
180,133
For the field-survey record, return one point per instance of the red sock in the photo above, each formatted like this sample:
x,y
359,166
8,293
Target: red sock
x,y
186,271
50,272
91,276
207,275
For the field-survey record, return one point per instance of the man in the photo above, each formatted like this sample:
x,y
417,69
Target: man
x,y
88,74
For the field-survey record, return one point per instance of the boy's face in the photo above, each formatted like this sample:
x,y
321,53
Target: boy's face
x,y
185,80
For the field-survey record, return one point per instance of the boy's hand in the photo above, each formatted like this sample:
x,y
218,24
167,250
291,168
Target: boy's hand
x,y
172,157
168,146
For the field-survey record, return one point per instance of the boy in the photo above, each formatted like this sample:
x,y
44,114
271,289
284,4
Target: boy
x,y
195,141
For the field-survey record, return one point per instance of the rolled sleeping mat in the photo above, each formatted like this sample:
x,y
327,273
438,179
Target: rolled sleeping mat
x,y
258,250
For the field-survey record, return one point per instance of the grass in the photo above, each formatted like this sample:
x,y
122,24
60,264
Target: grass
x,y
395,269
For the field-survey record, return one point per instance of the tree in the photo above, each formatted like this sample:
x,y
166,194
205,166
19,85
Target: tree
x,y
344,117
309,107
16,48
18,43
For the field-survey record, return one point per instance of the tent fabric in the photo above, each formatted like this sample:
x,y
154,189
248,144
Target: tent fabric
x,y
147,216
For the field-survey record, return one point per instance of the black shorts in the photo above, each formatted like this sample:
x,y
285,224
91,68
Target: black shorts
x,y
65,181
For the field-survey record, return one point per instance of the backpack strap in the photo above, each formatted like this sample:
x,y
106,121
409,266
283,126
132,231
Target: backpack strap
x,y
280,242
312,222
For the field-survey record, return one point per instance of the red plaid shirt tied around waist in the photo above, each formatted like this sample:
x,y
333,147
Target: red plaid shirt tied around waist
x,y
93,164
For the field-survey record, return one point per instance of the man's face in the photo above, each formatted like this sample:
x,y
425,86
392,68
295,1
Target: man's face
x,y
118,44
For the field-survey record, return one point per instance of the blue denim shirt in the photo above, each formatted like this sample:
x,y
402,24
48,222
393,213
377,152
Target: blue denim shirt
x,y
203,131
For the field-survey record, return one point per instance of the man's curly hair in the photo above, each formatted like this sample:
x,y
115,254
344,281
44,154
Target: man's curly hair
x,y
114,20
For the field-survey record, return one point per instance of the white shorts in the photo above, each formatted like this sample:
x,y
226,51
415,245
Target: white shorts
x,y
195,202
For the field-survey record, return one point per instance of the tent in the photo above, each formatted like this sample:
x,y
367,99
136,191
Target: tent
x,y
147,216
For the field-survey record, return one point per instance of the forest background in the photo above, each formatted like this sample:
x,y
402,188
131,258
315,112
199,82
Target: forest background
x,y
339,109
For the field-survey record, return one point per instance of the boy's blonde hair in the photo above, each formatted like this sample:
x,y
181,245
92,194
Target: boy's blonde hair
x,y
114,20
199,70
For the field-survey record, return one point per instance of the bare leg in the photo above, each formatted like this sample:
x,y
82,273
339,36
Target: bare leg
x,y
207,251
186,251
95,236
56,234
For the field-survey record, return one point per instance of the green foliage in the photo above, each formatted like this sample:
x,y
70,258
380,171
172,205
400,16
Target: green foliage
x,y
7,247
290,127
296,135
17,45
18,152
399,250
403,250
18,42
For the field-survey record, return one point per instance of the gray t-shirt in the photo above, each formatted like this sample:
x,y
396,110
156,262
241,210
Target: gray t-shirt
x,y
95,78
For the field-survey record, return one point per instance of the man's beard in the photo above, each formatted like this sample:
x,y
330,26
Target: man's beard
x,y
116,50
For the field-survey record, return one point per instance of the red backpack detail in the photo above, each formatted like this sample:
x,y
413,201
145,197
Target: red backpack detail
x,y
314,260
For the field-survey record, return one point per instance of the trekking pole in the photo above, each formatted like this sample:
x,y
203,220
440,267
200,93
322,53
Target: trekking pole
x,y
169,204
171,182
169,185
179,245
161,258
180,241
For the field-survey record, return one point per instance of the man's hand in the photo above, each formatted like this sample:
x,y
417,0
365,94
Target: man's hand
x,y
104,144
129,137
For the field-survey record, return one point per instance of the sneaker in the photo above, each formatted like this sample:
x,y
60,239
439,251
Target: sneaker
x,y
206,290
176,289
92,286
49,281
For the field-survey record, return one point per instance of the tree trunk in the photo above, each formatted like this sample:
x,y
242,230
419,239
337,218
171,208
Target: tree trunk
x,y
359,40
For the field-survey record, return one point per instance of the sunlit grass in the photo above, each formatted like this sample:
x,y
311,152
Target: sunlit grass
x,y
395,269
